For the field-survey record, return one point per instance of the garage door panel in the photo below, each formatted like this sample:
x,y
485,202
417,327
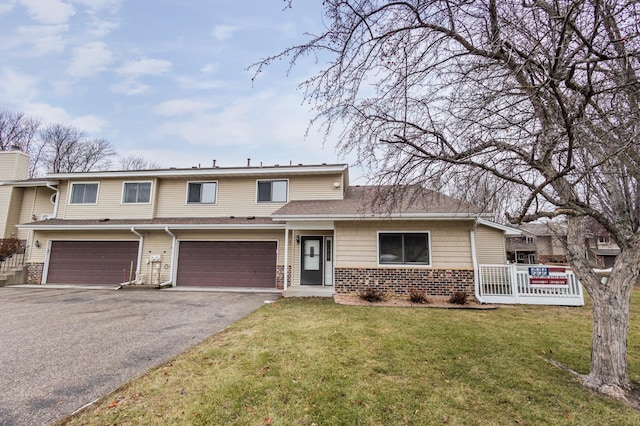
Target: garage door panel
x,y
227,263
91,262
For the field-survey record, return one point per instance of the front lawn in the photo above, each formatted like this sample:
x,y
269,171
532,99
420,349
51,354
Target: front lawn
x,y
310,361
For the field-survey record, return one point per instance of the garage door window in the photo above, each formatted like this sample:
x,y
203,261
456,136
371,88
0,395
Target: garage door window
x,y
136,192
84,193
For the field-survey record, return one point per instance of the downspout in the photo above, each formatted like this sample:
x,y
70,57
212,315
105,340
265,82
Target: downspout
x,y
286,256
474,258
173,253
133,229
55,205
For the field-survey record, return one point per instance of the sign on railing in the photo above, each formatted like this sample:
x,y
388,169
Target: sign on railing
x,y
548,277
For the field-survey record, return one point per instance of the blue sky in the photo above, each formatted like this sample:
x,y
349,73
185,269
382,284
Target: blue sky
x,y
165,79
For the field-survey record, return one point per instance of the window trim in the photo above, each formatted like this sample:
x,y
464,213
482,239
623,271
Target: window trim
x,y
188,203
404,265
271,202
72,184
124,185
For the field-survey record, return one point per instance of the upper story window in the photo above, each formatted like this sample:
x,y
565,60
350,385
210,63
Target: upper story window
x,y
84,193
202,192
136,192
603,239
272,191
403,248
529,240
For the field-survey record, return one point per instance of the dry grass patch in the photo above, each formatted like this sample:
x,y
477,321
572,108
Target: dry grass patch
x,y
311,361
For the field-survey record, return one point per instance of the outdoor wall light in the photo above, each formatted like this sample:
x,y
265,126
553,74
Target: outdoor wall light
x,y
37,244
298,239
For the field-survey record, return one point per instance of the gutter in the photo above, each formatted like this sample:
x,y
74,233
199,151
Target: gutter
x,y
474,257
133,229
55,205
174,243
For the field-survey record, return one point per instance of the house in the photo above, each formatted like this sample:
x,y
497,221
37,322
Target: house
x,y
299,229
602,250
539,243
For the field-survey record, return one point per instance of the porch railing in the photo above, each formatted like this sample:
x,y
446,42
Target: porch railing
x,y
511,284
12,262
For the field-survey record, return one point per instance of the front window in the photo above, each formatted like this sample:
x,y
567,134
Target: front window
x,y
84,193
137,192
202,192
272,191
403,248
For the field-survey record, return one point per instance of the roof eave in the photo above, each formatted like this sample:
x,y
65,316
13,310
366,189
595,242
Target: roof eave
x,y
158,226
376,216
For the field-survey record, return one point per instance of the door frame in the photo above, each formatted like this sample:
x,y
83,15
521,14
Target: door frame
x,y
327,257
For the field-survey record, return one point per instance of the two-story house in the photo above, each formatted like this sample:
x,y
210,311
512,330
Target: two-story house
x,y
540,243
298,228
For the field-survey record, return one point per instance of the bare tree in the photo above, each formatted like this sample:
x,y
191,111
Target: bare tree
x,y
66,149
136,162
18,131
543,95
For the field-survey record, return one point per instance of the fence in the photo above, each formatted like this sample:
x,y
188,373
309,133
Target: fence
x,y
516,284
11,262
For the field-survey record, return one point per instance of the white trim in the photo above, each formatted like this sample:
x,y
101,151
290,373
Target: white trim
x,y
124,184
272,180
159,226
403,265
186,198
83,183
376,216
218,171
140,246
325,225
508,230
30,183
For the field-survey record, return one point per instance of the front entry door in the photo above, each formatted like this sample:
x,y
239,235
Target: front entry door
x,y
311,271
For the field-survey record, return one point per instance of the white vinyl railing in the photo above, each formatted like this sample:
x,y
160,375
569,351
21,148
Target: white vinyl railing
x,y
512,284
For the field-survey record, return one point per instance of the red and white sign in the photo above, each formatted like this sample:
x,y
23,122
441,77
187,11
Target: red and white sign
x,y
548,277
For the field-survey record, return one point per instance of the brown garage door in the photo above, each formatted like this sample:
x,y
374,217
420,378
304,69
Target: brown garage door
x,y
91,262
227,263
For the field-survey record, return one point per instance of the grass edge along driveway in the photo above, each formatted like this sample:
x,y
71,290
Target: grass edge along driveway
x,y
311,361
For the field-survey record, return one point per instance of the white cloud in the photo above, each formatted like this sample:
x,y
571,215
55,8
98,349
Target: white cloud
x,y
179,107
98,5
7,5
224,32
130,87
15,85
210,68
101,28
186,82
145,66
89,59
46,39
49,11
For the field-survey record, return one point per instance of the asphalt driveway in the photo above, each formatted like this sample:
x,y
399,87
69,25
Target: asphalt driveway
x,y
63,348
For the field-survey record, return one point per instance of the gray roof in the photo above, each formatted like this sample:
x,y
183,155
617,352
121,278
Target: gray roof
x,y
380,200
545,229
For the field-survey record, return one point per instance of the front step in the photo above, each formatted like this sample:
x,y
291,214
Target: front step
x,y
13,276
309,291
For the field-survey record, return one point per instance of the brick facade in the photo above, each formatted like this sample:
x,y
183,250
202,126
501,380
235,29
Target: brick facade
x,y
34,273
398,281
280,276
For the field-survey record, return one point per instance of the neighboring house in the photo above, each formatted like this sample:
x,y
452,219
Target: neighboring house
x,y
602,249
301,229
539,243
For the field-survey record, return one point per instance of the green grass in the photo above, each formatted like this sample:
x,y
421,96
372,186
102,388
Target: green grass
x,y
305,362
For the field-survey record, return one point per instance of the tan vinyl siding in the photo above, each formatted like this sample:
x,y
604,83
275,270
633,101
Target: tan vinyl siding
x,y
14,165
356,242
35,202
157,243
235,235
109,203
38,255
11,200
315,188
490,246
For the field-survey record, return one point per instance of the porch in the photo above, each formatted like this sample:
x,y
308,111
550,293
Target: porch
x,y
529,284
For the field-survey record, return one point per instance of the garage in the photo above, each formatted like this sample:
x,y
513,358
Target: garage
x,y
227,264
91,262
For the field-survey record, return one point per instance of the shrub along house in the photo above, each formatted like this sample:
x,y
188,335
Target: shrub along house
x,y
300,229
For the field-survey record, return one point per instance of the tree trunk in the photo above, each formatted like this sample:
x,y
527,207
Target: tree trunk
x,y
611,300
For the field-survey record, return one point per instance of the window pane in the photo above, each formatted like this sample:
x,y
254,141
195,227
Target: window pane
x,y
90,193
209,192
390,248
416,248
144,192
194,193
279,191
77,193
264,191
130,192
